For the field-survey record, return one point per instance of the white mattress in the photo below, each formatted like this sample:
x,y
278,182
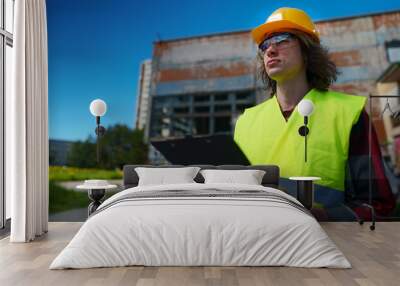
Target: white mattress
x,y
200,231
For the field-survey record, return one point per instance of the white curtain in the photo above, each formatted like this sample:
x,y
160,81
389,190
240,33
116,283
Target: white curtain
x,y
27,123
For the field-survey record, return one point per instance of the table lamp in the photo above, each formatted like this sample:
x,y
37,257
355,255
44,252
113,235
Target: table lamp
x,y
98,108
305,108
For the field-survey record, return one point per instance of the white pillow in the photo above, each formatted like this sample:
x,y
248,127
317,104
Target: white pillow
x,y
162,176
249,177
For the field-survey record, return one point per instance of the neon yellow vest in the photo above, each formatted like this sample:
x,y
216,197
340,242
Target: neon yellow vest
x,y
266,138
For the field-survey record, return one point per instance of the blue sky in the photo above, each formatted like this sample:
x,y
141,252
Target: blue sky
x,y
96,46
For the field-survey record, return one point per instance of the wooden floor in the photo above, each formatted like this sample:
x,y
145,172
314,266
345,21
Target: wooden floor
x,y
374,255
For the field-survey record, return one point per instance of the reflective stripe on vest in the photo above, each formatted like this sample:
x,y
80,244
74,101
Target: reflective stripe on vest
x,y
266,138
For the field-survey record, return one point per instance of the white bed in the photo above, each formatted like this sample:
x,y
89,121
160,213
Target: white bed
x,y
207,230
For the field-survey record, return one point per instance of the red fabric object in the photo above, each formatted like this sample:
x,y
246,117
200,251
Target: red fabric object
x,y
383,199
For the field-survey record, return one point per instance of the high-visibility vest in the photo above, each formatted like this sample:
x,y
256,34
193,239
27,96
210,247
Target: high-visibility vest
x,y
266,138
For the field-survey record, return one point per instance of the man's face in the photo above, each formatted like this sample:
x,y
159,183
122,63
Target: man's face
x,y
283,59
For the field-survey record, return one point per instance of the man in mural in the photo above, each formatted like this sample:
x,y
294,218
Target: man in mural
x,y
295,66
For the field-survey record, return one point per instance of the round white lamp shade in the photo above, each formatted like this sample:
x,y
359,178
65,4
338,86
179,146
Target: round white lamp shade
x,y
305,107
98,107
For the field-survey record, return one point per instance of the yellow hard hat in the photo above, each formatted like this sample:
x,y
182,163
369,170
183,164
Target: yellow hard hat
x,y
285,19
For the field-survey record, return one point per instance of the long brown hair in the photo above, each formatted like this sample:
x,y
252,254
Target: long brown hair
x,y
321,72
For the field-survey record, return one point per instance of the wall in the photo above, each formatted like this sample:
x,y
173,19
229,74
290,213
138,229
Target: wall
x,y
226,61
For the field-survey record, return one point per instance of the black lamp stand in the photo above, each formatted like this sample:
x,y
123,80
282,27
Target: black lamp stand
x,y
303,131
100,130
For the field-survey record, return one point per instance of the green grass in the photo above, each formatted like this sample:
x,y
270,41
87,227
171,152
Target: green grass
x,y
62,199
59,173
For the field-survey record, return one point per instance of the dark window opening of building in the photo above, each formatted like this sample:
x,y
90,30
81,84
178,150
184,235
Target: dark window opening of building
x,y
243,96
218,108
221,97
180,110
241,107
202,109
182,99
201,126
159,102
222,124
201,98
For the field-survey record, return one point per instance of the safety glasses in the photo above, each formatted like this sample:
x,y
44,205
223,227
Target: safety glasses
x,y
279,40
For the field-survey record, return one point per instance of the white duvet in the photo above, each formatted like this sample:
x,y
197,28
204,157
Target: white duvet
x,y
200,231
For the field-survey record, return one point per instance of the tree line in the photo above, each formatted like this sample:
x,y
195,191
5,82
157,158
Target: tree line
x,y
119,146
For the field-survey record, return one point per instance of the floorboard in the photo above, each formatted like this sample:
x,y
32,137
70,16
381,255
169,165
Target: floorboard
x,y
374,255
